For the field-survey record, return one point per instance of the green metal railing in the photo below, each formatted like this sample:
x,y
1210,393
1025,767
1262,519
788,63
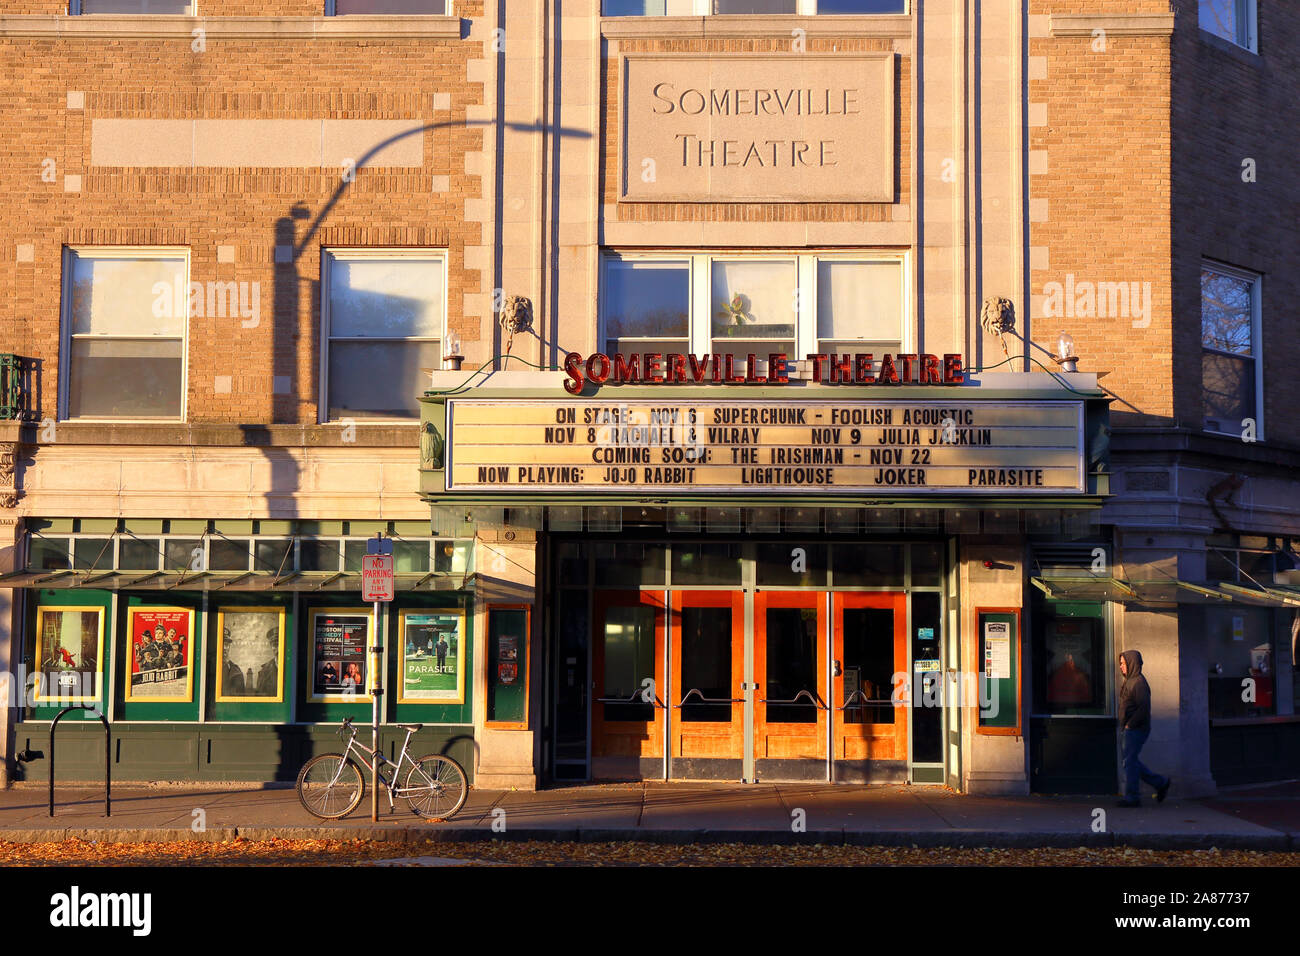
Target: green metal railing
x,y
11,386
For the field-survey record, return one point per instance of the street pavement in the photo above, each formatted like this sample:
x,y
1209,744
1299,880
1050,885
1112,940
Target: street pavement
x,y
1256,819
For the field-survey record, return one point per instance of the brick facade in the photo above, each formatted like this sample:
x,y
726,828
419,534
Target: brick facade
x,y
1051,149
248,210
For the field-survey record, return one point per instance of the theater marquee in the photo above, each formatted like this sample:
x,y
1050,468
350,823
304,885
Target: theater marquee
x,y
755,446
793,128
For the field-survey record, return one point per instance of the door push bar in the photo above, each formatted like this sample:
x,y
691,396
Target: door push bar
x,y
709,700
795,699
864,702
636,698
108,756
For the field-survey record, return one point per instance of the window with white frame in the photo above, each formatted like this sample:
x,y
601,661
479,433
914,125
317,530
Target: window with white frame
x,y
701,8
124,326
1232,20
403,8
1230,333
385,317
183,8
736,304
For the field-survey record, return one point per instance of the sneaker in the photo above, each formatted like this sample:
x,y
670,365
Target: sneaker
x,y
1128,803
1162,790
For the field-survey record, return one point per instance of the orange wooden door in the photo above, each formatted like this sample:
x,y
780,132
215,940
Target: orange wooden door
x,y
790,669
627,681
708,668
870,642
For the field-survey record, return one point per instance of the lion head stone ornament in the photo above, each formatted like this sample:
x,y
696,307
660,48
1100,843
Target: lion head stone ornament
x,y
432,447
998,317
516,315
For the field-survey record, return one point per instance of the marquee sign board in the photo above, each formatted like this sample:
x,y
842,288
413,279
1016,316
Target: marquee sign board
x,y
766,447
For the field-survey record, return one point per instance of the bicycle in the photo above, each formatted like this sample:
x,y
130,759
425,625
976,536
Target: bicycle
x,y
330,786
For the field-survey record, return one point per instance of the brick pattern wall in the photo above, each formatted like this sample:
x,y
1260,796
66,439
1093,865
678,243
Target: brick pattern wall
x,y
1230,106
251,210
1100,202
754,212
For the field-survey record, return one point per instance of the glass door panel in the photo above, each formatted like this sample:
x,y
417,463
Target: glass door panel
x,y
627,678
708,657
789,668
870,646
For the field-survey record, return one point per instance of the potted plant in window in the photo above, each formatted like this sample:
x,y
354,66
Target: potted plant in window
x,y
735,313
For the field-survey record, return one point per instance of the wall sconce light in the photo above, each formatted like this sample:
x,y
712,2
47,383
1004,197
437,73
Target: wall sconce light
x,y
1065,356
451,353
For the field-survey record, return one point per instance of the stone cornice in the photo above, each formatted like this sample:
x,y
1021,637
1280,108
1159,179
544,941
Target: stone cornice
x,y
1114,24
1219,452
678,28
166,26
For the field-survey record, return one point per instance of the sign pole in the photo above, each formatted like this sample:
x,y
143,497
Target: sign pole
x,y
377,586
376,654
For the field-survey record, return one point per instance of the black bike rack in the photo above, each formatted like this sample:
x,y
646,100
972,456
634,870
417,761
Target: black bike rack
x,y
108,756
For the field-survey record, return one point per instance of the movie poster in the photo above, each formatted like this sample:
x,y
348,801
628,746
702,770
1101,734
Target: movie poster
x,y
160,654
507,659
250,654
338,664
69,643
1070,681
433,665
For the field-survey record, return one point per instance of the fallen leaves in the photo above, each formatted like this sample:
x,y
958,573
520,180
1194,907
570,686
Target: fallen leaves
x,y
276,852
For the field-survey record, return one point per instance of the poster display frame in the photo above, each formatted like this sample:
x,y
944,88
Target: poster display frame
x,y
42,696
402,616
236,609
131,614
992,725
360,696
522,663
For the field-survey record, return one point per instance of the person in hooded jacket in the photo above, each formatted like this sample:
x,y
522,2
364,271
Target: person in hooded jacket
x,y
1135,724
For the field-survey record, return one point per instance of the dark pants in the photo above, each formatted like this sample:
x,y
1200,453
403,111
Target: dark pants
x,y
1134,768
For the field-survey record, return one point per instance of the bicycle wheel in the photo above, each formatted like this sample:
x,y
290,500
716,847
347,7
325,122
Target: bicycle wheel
x,y
330,786
436,787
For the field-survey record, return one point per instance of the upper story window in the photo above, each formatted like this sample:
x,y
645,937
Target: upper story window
x,y
701,8
733,304
1230,336
124,325
183,8
1233,20
405,8
385,316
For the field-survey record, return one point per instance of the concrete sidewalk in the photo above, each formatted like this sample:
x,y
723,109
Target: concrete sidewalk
x,y
676,813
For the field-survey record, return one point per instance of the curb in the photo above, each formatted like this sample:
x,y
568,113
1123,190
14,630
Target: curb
x,y
924,839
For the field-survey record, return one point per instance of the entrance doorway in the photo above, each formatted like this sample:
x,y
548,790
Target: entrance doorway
x,y
707,726
870,639
702,673
790,716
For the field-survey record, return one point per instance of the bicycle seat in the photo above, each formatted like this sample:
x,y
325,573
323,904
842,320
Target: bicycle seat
x,y
411,727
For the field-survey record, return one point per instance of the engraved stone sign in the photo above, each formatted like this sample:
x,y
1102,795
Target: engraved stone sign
x,y
797,128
